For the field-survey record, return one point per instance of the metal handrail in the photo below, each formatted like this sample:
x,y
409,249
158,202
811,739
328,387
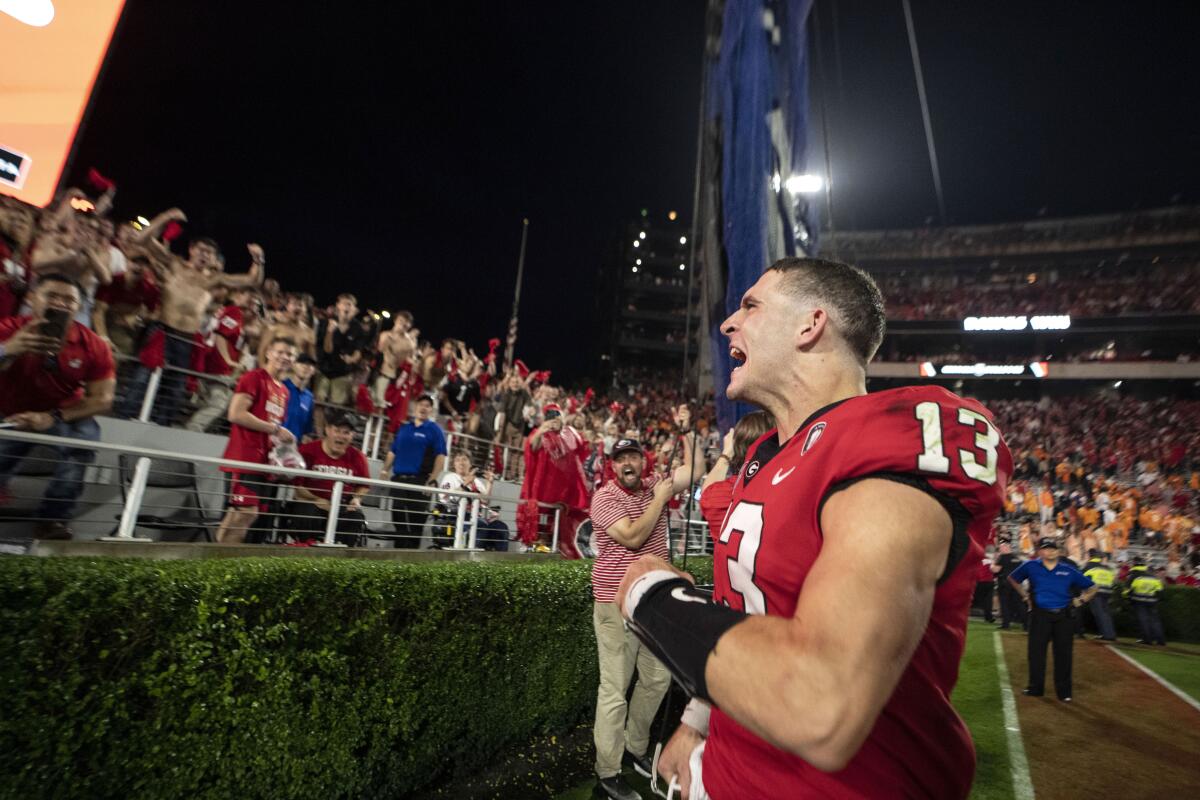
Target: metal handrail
x,y
372,434
465,533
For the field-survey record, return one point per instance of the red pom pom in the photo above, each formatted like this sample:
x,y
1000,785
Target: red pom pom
x,y
98,181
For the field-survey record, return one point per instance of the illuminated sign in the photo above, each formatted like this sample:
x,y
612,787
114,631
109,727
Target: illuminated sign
x,y
1051,322
1038,369
50,53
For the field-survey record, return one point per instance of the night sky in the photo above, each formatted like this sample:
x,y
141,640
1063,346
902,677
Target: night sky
x,y
394,155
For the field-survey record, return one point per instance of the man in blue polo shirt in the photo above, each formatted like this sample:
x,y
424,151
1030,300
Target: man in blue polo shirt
x,y
299,416
1050,619
418,450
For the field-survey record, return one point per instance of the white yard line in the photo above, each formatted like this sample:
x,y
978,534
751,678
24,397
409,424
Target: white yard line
x,y
1175,690
1022,785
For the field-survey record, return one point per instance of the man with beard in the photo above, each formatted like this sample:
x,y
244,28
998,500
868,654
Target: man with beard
x,y
629,514
554,455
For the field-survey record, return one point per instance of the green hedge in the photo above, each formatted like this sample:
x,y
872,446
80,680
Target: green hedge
x,y
281,678
1179,609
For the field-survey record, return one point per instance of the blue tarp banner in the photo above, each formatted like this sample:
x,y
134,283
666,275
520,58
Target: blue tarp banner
x,y
758,104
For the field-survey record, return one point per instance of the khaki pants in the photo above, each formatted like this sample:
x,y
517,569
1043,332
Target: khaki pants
x,y
216,404
618,726
338,391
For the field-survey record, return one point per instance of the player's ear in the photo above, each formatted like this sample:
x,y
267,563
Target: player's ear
x,y
810,327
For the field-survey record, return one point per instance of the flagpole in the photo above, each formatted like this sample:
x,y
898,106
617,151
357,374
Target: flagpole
x,y
511,339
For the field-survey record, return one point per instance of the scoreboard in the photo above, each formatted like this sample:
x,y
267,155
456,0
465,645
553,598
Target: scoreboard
x,y
50,54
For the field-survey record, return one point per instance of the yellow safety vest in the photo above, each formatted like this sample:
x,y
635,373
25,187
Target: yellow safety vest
x,y
1101,575
1145,588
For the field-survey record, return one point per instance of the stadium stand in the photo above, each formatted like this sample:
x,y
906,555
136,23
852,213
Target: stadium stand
x,y
1100,466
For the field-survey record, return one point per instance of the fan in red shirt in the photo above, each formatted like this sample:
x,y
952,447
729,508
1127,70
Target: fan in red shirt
x,y
256,414
717,491
843,571
554,455
55,377
331,455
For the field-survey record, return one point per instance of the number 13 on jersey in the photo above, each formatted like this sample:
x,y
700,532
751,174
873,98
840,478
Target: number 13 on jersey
x,y
933,457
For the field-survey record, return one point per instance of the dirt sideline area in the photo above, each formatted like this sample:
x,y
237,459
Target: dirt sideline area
x,y
1122,731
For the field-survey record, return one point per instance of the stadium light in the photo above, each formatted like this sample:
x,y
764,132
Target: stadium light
x,y
642,235
682,267
683,240
386,314
671,215
636,243
804,184
635,269
639,262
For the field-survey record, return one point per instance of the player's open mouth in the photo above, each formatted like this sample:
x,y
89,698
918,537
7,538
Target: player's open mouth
x,y
628,472
739,356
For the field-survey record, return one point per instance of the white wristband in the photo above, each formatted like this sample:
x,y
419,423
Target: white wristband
x,y
695,715
643,585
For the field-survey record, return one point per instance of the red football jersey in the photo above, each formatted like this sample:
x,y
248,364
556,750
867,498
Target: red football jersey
x,y
269,400
920,435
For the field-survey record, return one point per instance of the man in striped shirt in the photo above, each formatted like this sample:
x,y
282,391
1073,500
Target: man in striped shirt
x,y
629,515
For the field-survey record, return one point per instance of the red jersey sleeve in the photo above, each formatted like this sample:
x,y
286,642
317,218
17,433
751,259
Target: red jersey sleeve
x,y
939,442
714,504
100,366
250,383
308,450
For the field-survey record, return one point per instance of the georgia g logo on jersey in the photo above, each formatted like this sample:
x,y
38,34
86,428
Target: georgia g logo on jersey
x,y
752,469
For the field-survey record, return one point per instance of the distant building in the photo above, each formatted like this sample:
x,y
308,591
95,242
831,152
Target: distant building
x,y
643,297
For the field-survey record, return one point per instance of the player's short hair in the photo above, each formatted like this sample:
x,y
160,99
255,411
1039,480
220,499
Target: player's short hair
x,y
348,296
404,315
284,340
850,295
748,430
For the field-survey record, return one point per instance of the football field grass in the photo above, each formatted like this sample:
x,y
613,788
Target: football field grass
x,y
1121,722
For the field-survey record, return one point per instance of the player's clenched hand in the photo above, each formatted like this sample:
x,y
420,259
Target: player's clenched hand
x,y
675,759
639,568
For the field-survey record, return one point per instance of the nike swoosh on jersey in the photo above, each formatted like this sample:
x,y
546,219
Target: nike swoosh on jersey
x,y
37,13
781,476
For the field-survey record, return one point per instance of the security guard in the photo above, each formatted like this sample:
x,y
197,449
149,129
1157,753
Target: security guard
x,y
1050,604
1144,590
1104,578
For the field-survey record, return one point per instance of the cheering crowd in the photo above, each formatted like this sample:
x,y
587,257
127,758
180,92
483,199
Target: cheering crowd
x,y
1105,290
1106,474
147,303
1102,473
